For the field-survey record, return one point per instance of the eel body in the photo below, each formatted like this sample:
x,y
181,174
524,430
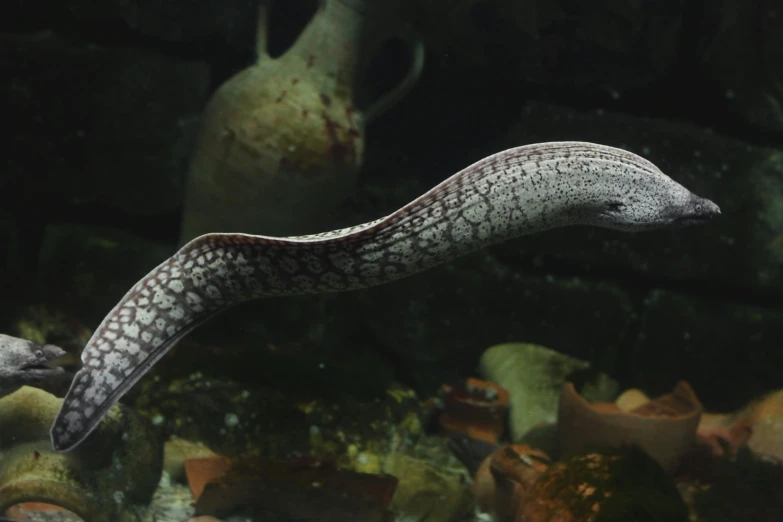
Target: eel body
x,y
515,192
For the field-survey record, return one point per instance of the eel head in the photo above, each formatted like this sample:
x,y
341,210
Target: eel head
x,y
631,194
24,363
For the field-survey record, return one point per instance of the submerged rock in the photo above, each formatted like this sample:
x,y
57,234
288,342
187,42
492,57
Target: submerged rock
x,y
602,46
117,467
427,492
105,125
518,483
743,58
234,419
743,487
88,269
230,21
439,322
606,485
729,352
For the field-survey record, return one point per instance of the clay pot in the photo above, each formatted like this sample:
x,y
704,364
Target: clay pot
x,y
664,427
474,408
281,143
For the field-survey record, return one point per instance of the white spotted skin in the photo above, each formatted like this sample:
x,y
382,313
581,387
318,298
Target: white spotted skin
x,y
509,194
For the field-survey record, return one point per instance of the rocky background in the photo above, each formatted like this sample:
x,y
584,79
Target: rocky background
x,y
100,101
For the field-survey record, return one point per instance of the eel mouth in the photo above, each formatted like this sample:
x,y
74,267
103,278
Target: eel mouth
x,y
40,365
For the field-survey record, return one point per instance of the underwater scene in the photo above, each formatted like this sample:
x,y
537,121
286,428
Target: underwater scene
x,y
391,261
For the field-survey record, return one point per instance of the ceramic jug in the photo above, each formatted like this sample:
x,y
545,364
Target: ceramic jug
x,y
281,143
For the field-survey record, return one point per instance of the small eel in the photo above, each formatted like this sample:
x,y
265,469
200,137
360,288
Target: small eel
x,y
25,363
515,192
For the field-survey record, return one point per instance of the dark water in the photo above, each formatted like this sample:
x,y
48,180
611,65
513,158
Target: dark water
x,y
104,106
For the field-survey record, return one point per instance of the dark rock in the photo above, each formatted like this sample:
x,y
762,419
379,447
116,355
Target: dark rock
x,y
253,419
741,487
100,125
228,418
87,271
10,266
440,322
197,22
729,352
303,345
607,47
742,48
60,327
232,21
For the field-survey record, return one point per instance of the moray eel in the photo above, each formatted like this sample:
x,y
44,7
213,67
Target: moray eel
x,y
515,192
25,363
